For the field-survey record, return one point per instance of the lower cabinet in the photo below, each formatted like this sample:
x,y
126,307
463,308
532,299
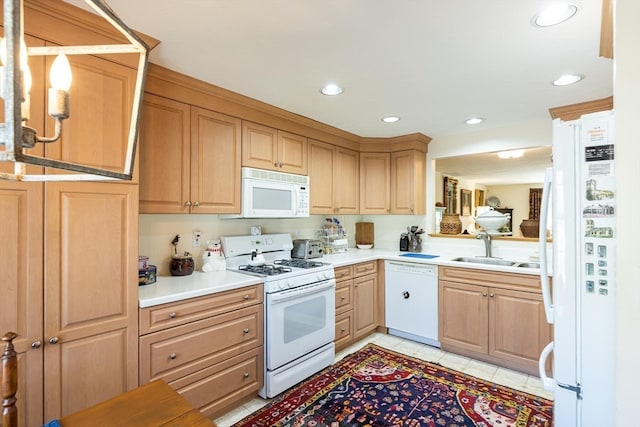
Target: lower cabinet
x,y
356,302
210,349
492,316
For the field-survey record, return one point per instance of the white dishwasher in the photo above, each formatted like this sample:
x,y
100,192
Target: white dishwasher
x,y
411,301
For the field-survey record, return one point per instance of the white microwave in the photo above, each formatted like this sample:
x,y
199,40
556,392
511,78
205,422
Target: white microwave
x,y
268,194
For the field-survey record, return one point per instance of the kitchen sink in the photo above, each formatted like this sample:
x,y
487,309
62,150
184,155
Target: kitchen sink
x,y
528,265
497,261
490,261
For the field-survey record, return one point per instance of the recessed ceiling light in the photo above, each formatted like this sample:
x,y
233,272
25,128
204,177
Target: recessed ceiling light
x,y
390,119
568,79
511,154
331,89
555,15
474,120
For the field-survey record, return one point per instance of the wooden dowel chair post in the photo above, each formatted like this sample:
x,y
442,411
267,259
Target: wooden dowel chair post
x,y
9,381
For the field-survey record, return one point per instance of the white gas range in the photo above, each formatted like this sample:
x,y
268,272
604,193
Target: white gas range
x,y
299,307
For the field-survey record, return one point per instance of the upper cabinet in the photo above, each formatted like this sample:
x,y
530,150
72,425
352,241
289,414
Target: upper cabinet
x,y
333,179
408,182
375,183
268,148
189,159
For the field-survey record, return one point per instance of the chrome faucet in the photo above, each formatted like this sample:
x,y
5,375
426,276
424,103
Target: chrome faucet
x,y
487,242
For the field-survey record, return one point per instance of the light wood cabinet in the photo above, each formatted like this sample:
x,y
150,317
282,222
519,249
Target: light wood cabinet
x,y
210,349
71,296
497,317
357,300
408,183
375,183
264,147
334,177
189,159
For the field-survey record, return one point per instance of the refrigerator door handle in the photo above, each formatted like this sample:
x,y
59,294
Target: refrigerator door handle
x,y
542,241
547,382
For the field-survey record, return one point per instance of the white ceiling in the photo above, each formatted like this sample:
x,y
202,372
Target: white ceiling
x,y
434,63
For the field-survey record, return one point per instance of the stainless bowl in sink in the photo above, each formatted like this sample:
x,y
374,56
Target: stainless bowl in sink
x,y
490,261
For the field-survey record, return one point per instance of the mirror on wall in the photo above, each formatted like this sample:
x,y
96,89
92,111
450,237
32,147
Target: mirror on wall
x,y
450,195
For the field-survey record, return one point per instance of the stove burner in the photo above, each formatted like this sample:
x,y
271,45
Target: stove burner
x,y
267,270
298,263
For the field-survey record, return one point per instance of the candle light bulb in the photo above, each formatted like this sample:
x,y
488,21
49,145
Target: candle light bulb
x,y
26,80
60,73
3,51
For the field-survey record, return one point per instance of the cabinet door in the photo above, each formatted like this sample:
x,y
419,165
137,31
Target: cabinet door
x,y
408,182
321,160
464,316
91,295
97,131
346,186
292,153
164,156
518,330
21,288
259,146
375,183
365,305
215,162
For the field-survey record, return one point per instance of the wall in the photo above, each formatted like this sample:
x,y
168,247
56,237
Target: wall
x,y
627,106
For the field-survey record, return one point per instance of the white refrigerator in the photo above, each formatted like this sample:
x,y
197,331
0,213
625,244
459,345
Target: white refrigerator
x,y
579,194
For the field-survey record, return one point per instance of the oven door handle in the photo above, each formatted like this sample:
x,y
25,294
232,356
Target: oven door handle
x,y
278,297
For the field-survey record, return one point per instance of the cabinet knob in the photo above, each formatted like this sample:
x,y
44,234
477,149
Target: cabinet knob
x,y
245,297
343,330
246,375
172,315
491,295
36,344
275,164
187,203
53,340
245,331
196,204
484,294
172,356
406,295
343,298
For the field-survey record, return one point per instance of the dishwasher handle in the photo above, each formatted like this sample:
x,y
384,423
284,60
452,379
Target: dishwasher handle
x,y
412,268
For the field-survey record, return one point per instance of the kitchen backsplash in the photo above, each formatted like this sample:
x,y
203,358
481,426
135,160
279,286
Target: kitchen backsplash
x,y
157,231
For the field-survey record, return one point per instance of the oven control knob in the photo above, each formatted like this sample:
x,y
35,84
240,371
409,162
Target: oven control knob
x,y
283,285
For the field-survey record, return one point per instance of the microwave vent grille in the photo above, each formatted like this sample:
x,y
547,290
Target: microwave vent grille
x,y
275,176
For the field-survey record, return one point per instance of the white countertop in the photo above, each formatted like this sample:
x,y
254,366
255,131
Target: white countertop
x,y
175,288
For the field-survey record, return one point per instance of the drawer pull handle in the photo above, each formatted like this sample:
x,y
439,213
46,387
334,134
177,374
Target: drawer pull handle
x,y
36,344
246,330
172,356
172,315
53,340
406,295
343,298
245,297
246,375
343,330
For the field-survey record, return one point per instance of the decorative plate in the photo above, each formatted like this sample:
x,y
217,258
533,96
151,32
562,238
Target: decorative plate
x,y
493,201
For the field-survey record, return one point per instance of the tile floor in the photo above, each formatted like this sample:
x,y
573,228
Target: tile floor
x,y
486,371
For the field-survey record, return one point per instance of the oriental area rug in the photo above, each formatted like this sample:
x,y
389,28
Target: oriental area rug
x,y
379,387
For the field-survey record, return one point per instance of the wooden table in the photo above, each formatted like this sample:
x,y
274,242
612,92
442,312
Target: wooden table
x,y
153,404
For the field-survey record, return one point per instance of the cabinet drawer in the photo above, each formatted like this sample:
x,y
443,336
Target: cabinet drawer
x,y
344,296
514,281
343,273
344,328
219,386
364,268
182,350
165,316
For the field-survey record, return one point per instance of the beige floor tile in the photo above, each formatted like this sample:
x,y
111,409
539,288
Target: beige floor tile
x,y
510,378
430,354
534,386
482,370
232,417
454,361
